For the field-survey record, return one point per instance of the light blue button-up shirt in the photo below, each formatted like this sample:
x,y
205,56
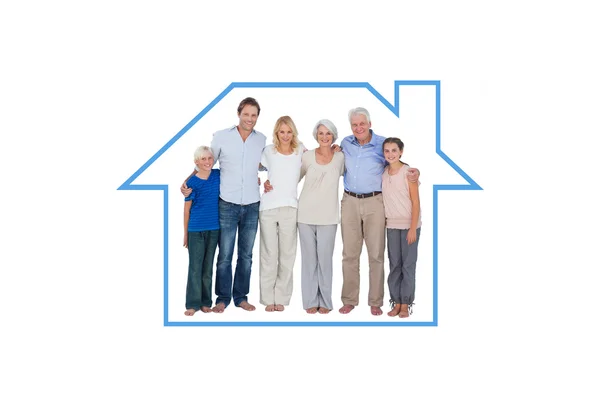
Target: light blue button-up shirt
x,y
364,164
238,162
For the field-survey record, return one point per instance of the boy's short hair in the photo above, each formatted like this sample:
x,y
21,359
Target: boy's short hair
x,y
202,151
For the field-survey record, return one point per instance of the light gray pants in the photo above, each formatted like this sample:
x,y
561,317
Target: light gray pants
x,y
403,264
316,247
277,254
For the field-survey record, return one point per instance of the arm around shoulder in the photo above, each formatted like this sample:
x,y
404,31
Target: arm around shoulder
x,y
413,175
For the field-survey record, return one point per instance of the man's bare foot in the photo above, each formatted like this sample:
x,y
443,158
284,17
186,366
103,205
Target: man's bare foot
x,y
395,311
189,312
312,310
247,306
346,309
403,311
376,310
323,310
219,308
205,309
279,307
270,308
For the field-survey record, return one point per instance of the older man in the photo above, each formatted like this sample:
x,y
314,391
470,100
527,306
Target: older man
x,y
238,150
363,217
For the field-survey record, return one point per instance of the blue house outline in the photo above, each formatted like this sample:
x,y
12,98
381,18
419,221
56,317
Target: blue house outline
x,y
394,108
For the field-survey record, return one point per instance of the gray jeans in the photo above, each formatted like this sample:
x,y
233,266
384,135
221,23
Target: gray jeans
x,y
403,263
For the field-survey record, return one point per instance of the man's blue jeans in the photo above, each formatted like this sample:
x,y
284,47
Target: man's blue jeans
x,y
243,220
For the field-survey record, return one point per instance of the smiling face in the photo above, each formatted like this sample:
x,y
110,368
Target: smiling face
x,y
248,117
391,152
360,128
324,136
205,162
285,134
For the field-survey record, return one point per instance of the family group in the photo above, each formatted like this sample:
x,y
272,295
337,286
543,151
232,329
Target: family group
x,y
380,197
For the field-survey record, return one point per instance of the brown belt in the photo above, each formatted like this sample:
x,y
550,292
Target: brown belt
x,y
362,196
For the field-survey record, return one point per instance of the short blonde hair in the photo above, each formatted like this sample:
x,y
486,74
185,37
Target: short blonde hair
x,y
202,151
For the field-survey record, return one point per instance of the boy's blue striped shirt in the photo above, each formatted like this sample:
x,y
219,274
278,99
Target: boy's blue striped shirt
x,y
204,213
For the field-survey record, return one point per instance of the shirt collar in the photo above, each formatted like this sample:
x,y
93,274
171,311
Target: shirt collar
x,y
355,140
234,128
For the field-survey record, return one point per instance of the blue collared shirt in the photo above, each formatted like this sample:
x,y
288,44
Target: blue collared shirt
x,y
364,164
238,162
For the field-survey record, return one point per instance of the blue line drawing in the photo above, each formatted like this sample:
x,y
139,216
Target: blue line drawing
x,y
395,109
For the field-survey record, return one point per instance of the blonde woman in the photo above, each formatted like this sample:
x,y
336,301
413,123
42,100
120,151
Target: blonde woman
x,y
277,215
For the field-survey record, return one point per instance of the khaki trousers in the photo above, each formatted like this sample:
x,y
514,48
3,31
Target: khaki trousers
x,y
362,220
278,241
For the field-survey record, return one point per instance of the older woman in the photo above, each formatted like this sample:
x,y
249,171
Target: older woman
x,y
318,216
277,215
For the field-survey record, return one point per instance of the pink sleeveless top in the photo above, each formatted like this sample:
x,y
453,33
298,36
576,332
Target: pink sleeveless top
x,y
396,200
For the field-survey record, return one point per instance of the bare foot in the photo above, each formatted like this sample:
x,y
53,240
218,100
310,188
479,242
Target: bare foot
x,y
247,306
219,308
323,310
205,309
403,311
376,310
270,308
395,311
312,310
279,307
346,309
189,312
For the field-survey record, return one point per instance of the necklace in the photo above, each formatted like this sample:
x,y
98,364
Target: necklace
x,y
395,172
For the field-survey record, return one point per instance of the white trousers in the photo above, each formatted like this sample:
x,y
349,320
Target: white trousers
x,y
278,241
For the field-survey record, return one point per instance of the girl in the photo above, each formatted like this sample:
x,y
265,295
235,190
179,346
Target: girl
x,y
403,223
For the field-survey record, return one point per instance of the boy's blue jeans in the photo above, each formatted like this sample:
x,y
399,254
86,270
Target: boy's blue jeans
x,y
201,250
242,220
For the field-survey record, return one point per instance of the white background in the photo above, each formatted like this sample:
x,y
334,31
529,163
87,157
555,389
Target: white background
x,y
89,91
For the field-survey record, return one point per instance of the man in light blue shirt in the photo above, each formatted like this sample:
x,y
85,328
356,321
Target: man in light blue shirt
x,y
238,150
362,213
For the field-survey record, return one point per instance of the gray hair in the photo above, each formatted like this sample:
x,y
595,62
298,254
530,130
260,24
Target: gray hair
x,y
359,111
201,151
330,127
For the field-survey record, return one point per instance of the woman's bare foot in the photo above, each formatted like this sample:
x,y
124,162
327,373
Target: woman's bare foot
x,y
395,311
312,310
270,308
403,311
219,308
205,309
189,312
279,307
323,310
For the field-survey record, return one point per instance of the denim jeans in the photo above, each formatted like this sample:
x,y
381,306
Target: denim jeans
x,y
242,220
201,250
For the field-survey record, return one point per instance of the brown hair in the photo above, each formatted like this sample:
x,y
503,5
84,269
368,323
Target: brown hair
x,y
248,101
398,142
